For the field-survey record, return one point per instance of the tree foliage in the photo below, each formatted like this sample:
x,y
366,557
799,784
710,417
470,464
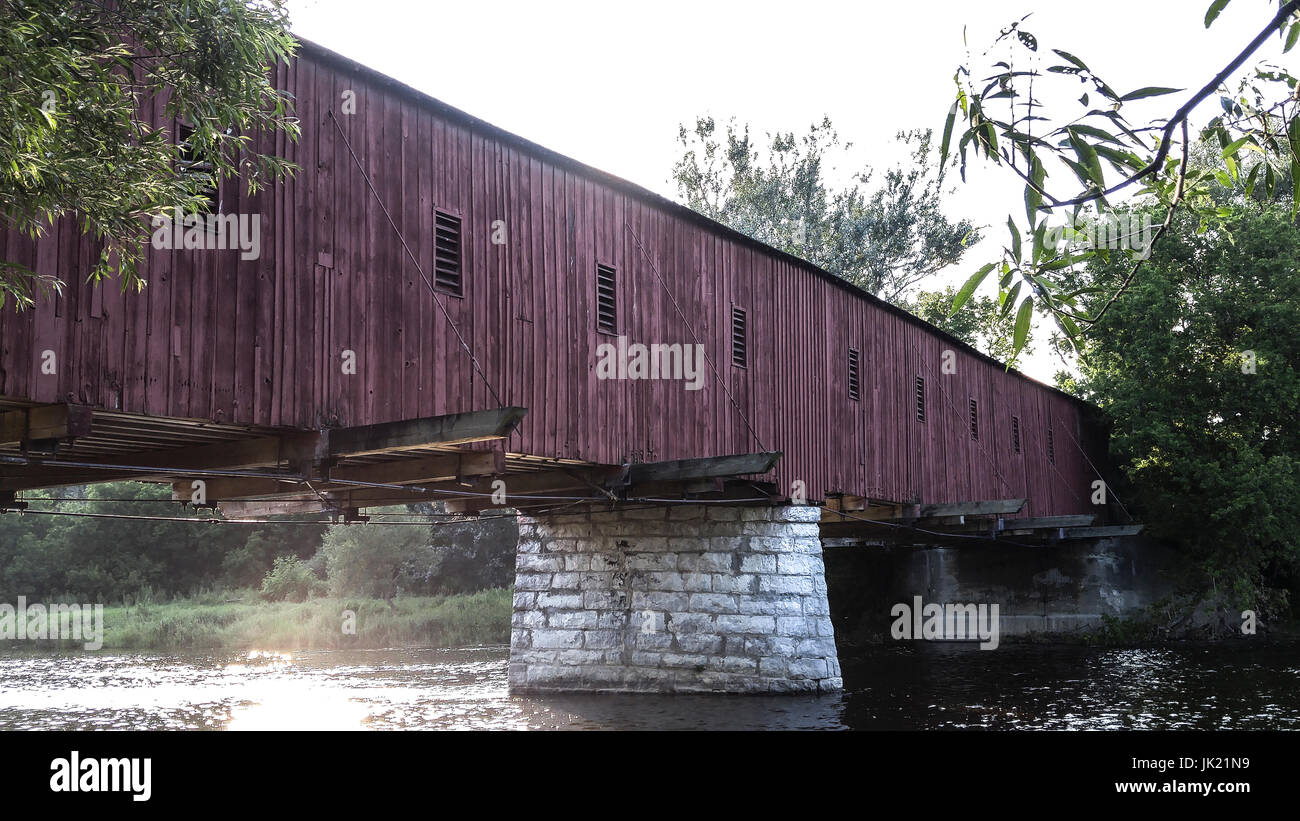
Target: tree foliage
x,y
1094,153
75,141
106,559
984,324
90,556
884,238
1197,365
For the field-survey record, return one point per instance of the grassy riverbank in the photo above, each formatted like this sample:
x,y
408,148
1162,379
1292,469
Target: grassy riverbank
x,y
241,620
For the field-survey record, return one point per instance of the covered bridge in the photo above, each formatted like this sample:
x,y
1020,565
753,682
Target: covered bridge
x,y
423,318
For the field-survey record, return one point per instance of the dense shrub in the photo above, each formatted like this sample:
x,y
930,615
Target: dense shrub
x,y
288,580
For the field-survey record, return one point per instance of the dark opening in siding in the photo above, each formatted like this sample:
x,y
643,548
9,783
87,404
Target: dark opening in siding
x,y
738,340
606,300
855,383
1051,447
1015,433
920,399
193,163
974,420
446,253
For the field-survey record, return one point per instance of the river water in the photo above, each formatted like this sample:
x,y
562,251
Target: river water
x,y
1234,685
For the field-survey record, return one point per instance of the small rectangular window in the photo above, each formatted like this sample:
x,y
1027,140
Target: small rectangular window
x,y
446,252
606,300
739,346
974,421
855,384
1015,433
194,163
920,399
1051,447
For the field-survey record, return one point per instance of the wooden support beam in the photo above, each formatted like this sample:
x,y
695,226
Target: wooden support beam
x,y
846,502
446,471
258,510
1047,522
229,488
738,490
441,468
44,422
992,507
741,464
451,429
1104,532
13,427
856,508
542,482
237,454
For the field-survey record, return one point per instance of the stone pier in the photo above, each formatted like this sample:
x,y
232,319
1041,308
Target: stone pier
x,y
700,598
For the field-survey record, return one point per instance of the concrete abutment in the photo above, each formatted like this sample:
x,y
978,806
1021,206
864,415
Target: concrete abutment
x,y
682,599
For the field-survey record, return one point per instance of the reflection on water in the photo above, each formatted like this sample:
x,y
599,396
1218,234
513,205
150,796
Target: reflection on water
x,y
1237,685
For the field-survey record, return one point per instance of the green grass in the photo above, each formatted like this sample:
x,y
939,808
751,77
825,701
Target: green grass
x,y
211,622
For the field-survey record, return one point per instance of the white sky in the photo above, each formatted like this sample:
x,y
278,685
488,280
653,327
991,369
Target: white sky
x,y
608,83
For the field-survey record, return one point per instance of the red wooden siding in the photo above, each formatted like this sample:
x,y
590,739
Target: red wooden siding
x,y
259,341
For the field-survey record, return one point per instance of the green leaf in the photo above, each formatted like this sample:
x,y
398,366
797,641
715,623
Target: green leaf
x,y
1213,12
1232,148
1087,158
1068,56
1015,238
1291,37
1009,298
1120,158
969,288
1096,133
1149,91
1023,318
947,136
1033,191
1250,180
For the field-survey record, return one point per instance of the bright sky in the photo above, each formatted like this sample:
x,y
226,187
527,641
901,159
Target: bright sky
x,y
608,83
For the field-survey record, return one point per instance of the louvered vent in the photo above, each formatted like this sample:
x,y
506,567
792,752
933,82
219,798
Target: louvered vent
x,y
606,303
1051,447
974,420
446,249
738,341
1015,433
920,399
855,382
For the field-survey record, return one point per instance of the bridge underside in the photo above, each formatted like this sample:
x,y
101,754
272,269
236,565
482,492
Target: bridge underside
x,y
462,460
695,575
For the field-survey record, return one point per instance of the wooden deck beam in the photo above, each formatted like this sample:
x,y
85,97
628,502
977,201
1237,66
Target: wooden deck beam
x,y
44,422
992,507
677,470
237,454
1041,522
1104,532
452,429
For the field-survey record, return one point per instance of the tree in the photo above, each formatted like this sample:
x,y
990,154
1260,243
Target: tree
x,y
983,324
376,560
1195,365
90,555
1003,117
884,239
76,139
